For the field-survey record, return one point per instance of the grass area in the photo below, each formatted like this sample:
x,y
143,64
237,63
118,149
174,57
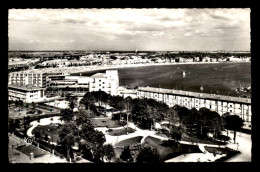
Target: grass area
x,y
119,132
169,149
107,123
216,149
195,139
51,130
129,142
31,149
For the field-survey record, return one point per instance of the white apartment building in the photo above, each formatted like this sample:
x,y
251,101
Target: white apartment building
x,y
30,78
107,82
219,103
26,93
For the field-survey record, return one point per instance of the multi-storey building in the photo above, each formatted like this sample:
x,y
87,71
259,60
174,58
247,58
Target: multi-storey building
x,y
219,103
23,78
26,93
107,82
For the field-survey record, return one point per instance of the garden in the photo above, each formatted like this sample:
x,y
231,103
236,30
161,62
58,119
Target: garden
x,y
170,149
47,132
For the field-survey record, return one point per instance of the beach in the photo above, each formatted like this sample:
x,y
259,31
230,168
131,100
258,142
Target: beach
x,y
79,69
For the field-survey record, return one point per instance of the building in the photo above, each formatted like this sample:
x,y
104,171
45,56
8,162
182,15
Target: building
x,y
219,103
27,94
28,78
124,92
107,82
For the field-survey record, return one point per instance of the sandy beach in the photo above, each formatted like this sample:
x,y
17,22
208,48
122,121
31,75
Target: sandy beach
x,y
78,69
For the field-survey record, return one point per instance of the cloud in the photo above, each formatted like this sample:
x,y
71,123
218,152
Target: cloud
x,y
146,28
219,17
75,21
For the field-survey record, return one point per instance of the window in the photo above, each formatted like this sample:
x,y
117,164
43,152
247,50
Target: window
x,y
231,111
230,106
103,82
99,84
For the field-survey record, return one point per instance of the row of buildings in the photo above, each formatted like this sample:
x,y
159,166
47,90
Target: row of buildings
x,y
30,87
21,85
219,103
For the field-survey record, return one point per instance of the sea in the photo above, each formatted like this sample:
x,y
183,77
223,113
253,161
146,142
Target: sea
x,y
215,78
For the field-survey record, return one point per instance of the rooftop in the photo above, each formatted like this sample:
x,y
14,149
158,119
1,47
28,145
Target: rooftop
x,y
99,75
194,94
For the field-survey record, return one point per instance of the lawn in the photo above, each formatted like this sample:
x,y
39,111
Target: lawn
x,y
208,140
106,123
28,149
129,142
119,132
51,130
216,149
169,149
229,153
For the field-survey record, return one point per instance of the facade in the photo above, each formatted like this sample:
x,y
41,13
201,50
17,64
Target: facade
x,y
25,93
30,78
219,103
107,82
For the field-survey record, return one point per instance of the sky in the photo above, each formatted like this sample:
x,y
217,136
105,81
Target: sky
x,y
129,29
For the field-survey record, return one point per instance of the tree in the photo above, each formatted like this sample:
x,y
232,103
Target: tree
x,y
235,123
95,139
84,116
88,100
72,105
127,104
172,116
176,135
67,114
126,154
33,105
148,154
140,113
72,100
108,151
68,136
224,120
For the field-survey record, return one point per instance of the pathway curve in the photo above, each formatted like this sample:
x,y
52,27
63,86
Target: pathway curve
x,y
44,121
